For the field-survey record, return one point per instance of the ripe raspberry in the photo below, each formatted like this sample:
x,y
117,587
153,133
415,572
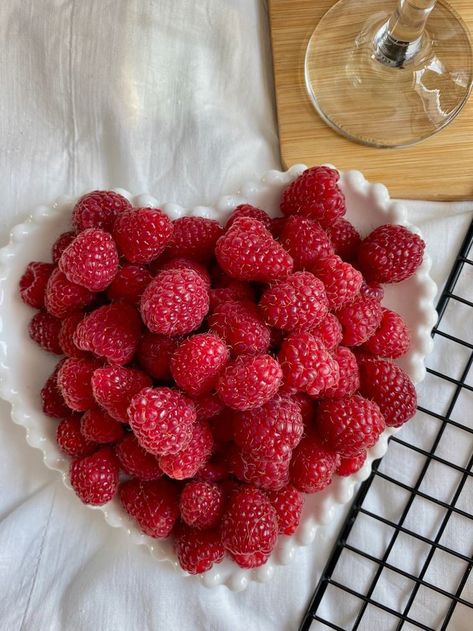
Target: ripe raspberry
x,y
312,465
98,426
247,210
95,478
33,283
44,330
135,461
288,503
391,339
129,284
74,382
391,388
270,475
307,365
53,403
115,386
154,505
154,354
307,407
372,290
305,241
359,320
91,260
175,302
316,195
349,425
186,462
63,297
390,254
248,252
98,209
61,243
342,281
198,550
111,331
66,335
344,238
212,472
240,325
162,420
235,291
349,381
249,381
329,331
194,238
183,263
70,439
208,406
348,466
141,234
201,504
294,304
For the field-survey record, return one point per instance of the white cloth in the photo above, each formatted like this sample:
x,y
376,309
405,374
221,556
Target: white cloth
x,y
169,97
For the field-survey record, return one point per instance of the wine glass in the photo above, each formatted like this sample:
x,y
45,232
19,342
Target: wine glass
x,y
389,74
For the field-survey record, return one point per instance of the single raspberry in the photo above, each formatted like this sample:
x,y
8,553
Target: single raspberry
x,y
391,339
344,238
91,260
348,466
194,238
295,304
44,330
63,297
359,320
305,241
66,335
201,504
61,243
247,210
349,380
266,474
288,503
349,425
390,254
186,462
241,326
98,209
211,472
175,302
70,439
249,381
235,291
98,426
162,420
74,381
135,461
198,550
315,194
312,465
183,263
307,407
154,505
277,226
248,252
141,234
53,403
33,283
391,388
372,290
208,406
115,386
342,281
154,354
95,478
129,283
329,331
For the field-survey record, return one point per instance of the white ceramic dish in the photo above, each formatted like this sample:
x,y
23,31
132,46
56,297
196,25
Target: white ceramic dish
x,y
24,367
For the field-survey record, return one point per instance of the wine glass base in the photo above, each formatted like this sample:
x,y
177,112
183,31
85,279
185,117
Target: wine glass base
x,y
376,104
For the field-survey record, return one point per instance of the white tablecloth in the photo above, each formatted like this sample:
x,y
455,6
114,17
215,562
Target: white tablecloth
x,y
174,98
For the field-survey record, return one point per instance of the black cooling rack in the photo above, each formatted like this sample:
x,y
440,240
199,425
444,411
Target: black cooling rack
x,y
402,617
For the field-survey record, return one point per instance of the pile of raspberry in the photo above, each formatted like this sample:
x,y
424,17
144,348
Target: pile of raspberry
x,y
213,375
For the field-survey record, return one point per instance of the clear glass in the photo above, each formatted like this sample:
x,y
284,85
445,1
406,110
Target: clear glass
x,y
389,74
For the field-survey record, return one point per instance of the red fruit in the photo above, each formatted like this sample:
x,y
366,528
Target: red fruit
x,y
201,504
194,238
198,550
135,461
241,326
154,354
115,386
186,462
98,209
359,320
221,426
63,297
342,281
305,241
247,210
66,335
277,226
348,466
349,380
260,472
141,234
33,283
61,243
372,290
329,331
154,505
74,382
307,407
44,330
211,472
312,465
208,406
71,440
129,283
95,478
235,291
183,263
53,403
98,426
391,339
345,238
288,503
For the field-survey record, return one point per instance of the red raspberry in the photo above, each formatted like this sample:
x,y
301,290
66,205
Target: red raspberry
x,y
349,425
194,238
288,504
98,209
329,331
391,339
307,365
315,194
372,290
141,234
154,354
247,210
307,407
391,388
162,420
154,505
44,330
235,291
63,297
111,331
345,238
61,243
249,527
129,283
135,461
248,252
186,462
295,304
249,381
183,263
98,426
211,472
270,475
312,465
66,335
305,241
33,283
349,381
115,386
390,254
95,478
208,406
201,504
198,362
198,550
348,466
91,260
74,381
342,281
359,320
240,325
70,439
175,302
53,403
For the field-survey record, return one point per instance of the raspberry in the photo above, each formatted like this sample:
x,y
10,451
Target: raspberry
x,y
95,478
162,420
249,381
277,226
91,260
74,382
129,284
201,504
198,550
208,406
247,210
312,465
248,252
183,263
349,381
391,339
344,238
390,254
44,330
135,461
33,283
372,290
359,320
98,426
66,335
53,403
61,243
390,387
186,462
98,209
307,365
240,325
194,238
297,303
71,440
288,503
342,281
154,354
316,195
348,466
111,331
211,472
267,474
175,302
63,297
329,331
307,406
305,241
235,291
154,505
349,425
141,234
115,386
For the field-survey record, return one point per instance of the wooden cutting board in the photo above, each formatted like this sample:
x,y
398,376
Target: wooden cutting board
x,y
440,168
